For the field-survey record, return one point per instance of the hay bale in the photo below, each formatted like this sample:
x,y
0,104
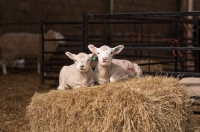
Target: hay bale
x,y
149,104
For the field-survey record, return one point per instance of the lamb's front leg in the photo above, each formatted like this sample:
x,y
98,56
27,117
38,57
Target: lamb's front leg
x,y
101,80
63,87
117,77
91,83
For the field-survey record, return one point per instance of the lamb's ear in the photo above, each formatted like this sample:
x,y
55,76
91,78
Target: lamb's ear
x,y
70,55
118,49
92,48
93,57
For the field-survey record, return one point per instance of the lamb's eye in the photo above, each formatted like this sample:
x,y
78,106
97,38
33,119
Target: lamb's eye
x,y
88,60
75,61
97,52
111,53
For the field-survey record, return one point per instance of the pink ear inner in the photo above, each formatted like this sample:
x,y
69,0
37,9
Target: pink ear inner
x,y
70,55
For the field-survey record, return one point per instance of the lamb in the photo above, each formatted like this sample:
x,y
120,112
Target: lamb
x,y
79,74
25,45
112,70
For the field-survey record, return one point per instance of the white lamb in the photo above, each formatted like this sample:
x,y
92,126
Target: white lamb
x,y
79,74
112,70
27,46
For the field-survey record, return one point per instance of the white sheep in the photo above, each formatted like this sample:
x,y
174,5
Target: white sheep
x,y
79,74
112,70
27,46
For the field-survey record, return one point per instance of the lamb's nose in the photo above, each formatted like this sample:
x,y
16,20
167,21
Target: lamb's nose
x,y
104,58
81,66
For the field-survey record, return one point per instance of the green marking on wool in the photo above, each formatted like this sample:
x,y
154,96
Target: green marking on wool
x,y
93,59
117,49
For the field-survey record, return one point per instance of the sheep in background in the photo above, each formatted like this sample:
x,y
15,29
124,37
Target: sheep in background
x,y
79,74
27,46
112,70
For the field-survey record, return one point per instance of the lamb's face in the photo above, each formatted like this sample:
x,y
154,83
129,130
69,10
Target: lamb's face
x,y
81,60
105,53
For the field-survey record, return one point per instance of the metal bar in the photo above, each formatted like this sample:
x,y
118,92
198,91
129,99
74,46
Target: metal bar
x,y
42,61
85,33
143,64
53,23
136,40
21,23
148,43
197,65
74,39
162,62
142,37
180,44
146,14
135,21
177,74
177,26
162,48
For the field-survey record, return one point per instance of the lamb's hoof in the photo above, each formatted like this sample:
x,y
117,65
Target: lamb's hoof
x,y
61,88
125,77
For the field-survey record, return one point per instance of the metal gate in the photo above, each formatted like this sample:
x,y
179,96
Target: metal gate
x,y
166,40
170,39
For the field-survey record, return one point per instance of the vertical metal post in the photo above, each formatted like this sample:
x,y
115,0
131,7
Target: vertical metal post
x,y
180,45
85,32
135,39
42,53
149,44
142,37
175,58
197,62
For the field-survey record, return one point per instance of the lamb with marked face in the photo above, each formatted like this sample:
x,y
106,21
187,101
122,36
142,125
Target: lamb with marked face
x,y
112,70
77,75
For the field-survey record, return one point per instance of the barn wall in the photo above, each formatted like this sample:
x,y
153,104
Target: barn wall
x,y
36,10
71,10
196,5
21,11
130,6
